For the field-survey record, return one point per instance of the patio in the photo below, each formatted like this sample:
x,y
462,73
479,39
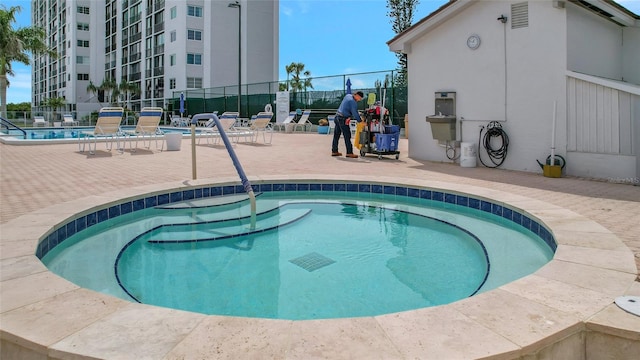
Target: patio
x,y
33,178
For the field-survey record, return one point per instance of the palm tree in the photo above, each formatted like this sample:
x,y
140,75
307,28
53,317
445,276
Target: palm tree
x,y
128,88
297,83
111,86
15,45
55,104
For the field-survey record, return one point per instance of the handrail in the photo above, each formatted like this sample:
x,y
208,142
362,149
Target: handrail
x,y
8,124
236,163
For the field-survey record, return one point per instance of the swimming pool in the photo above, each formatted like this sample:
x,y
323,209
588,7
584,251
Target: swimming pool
x,y
391,210
53,135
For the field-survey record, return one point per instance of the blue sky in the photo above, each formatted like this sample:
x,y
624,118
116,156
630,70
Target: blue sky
x,y
331,37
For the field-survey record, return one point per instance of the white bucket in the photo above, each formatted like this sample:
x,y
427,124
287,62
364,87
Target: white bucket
x,y
468,154
174,140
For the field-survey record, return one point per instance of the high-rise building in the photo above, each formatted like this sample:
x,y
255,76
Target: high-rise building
x,y
149,49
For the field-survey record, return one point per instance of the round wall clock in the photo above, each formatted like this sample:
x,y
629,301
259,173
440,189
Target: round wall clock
x,y
473,42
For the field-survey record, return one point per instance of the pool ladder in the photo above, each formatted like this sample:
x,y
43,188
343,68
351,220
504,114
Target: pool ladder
x,y
9,125
236,163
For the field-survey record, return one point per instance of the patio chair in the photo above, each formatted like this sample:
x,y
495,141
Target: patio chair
x,y
107,128
147,128
303,121
39,120
332,123
288,121
68,120
211,132
261,123
178,121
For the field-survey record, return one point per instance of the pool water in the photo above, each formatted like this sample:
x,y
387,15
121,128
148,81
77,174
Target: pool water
x,y
306,257
70,133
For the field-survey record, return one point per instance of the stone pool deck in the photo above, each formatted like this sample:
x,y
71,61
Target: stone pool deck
x,y
565,310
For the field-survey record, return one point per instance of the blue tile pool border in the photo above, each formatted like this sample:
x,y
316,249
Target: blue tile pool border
x,y
74,225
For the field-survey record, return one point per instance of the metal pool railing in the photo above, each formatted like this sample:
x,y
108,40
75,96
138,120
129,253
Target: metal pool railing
x,y
9,125
236,163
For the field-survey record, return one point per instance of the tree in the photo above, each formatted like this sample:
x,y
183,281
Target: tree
x,y
111,86
55,104
15,46
93,89
128,88
297,83
401,14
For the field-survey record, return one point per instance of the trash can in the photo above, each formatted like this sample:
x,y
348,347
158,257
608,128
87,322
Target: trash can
x,y
174,140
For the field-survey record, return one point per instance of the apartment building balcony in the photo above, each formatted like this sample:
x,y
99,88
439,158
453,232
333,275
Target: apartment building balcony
x,y
158,71
136,37
158,27
134,18
135,76
158,49
135,57
125,41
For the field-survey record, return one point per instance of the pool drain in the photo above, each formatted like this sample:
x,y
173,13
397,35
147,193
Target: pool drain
x,y
312,261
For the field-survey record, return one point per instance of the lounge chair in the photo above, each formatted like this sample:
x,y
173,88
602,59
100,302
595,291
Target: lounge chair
x,y
147,128
288,121
39,120
206,122
303,121
107,128
210,131
68,120
332,123
178,121
261,124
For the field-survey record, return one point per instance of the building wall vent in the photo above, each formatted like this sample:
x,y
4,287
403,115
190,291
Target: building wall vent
x,y
519,15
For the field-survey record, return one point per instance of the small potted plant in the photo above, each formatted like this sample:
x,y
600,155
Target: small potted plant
x,y
323,126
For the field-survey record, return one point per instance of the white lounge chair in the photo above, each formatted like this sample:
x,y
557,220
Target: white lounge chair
x,y
107,128
147,128
303,122
288,121
260,124
210,131
332,123
178,121
68,120
39,120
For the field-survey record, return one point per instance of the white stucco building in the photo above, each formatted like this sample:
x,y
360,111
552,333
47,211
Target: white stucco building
x,y
582,55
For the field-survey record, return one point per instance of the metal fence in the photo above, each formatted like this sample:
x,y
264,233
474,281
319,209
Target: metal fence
x,y
323,98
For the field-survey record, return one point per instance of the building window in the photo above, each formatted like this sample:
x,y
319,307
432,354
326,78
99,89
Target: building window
x,y
83,76
83,43
194,59
172,59
83,10
194,11
173,36
172,83
82,60
194,35
194,83
83,27
174,12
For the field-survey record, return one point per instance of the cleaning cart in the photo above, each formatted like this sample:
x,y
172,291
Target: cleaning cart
x,y
378,137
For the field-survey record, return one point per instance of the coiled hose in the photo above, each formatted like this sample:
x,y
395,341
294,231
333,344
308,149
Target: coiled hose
x,y
497,156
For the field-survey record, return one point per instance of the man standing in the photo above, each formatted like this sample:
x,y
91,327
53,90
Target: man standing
x,y
348,111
